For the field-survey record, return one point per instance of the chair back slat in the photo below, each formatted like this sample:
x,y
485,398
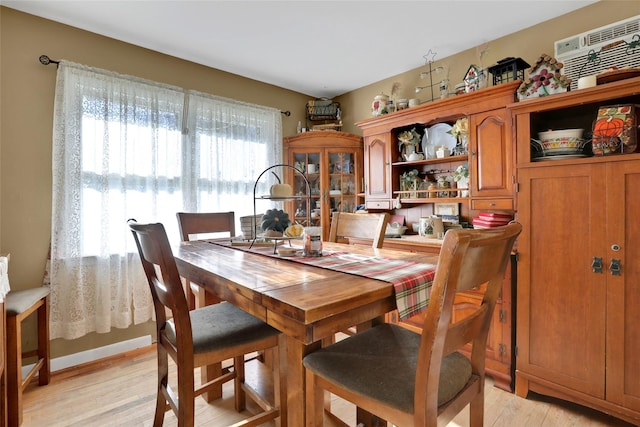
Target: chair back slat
x,y
465,330
356,225
483,261
192,223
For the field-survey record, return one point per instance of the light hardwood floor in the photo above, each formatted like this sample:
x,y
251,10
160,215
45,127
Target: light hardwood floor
x,y
120,391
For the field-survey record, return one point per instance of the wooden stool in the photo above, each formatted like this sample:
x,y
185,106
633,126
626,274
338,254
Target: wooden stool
x,y
19,305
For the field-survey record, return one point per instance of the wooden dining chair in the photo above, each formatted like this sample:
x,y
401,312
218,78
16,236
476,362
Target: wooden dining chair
x,y
199,337
20,305
369,226
359,225
412,379
199,223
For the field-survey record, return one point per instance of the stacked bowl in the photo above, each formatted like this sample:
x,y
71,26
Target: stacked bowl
x,y
246,225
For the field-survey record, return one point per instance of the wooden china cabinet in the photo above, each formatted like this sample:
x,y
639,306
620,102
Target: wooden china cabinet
x,y
578,294
491,158
335,175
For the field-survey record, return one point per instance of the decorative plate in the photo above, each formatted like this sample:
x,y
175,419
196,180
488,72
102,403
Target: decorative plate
x,y
436,136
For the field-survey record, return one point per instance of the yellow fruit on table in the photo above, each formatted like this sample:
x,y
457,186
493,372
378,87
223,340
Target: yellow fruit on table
x,y
294,230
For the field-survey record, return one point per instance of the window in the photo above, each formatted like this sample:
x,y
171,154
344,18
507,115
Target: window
x,y
121,151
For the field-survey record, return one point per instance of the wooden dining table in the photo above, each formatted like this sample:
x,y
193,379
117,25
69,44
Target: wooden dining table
x,y
306,303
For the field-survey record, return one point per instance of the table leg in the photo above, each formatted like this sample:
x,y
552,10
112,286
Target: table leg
x,y
292,382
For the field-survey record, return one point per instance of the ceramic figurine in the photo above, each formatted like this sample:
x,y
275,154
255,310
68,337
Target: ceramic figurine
x,y
379,105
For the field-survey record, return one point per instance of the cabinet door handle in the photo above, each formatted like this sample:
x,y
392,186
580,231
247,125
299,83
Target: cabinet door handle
x,y
596,265
615,267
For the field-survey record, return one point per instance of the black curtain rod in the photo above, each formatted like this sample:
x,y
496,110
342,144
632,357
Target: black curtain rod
x,y
45,60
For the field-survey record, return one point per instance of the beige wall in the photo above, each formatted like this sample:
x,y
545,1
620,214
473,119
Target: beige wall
x,y
27,91
26,110
527,44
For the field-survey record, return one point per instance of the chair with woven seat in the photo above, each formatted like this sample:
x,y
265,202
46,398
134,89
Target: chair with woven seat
x,y
368,226
199,337
199,223
19,306
411,379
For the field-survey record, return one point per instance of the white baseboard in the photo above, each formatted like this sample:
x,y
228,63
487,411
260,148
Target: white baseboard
x,y
75,359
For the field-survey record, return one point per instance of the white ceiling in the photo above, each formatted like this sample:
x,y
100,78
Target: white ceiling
x,y
319,48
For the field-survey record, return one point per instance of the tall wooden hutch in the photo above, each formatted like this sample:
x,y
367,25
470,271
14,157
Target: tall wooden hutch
x,y
578,294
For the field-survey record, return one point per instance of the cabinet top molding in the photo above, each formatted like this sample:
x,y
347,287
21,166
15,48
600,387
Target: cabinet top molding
x,y
324,134
613,90
447,109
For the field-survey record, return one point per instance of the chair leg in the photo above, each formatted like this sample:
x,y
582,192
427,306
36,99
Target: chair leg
x,y
240,398
13,371
315,401
476,411
3,398
274,365
186,399
44,374
163,379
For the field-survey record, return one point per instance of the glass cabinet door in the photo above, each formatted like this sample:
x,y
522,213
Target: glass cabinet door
x,y
341,194
331,162
309,164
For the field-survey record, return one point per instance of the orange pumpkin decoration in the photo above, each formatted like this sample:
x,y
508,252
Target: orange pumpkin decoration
x,y
608,127
615,130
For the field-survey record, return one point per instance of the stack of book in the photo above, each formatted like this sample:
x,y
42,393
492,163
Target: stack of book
x,y
491,219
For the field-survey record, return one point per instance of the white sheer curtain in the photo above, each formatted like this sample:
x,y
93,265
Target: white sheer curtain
x,y
229,144
119,152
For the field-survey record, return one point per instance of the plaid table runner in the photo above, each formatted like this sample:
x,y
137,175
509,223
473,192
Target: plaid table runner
x,y
411,280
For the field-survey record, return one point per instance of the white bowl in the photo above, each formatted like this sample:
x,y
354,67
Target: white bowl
x,y
561,141
561,134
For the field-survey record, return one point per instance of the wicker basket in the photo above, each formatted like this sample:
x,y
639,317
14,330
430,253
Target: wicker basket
x,y
323,109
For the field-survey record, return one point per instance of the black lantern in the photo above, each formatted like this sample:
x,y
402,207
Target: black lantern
x,y
508,70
